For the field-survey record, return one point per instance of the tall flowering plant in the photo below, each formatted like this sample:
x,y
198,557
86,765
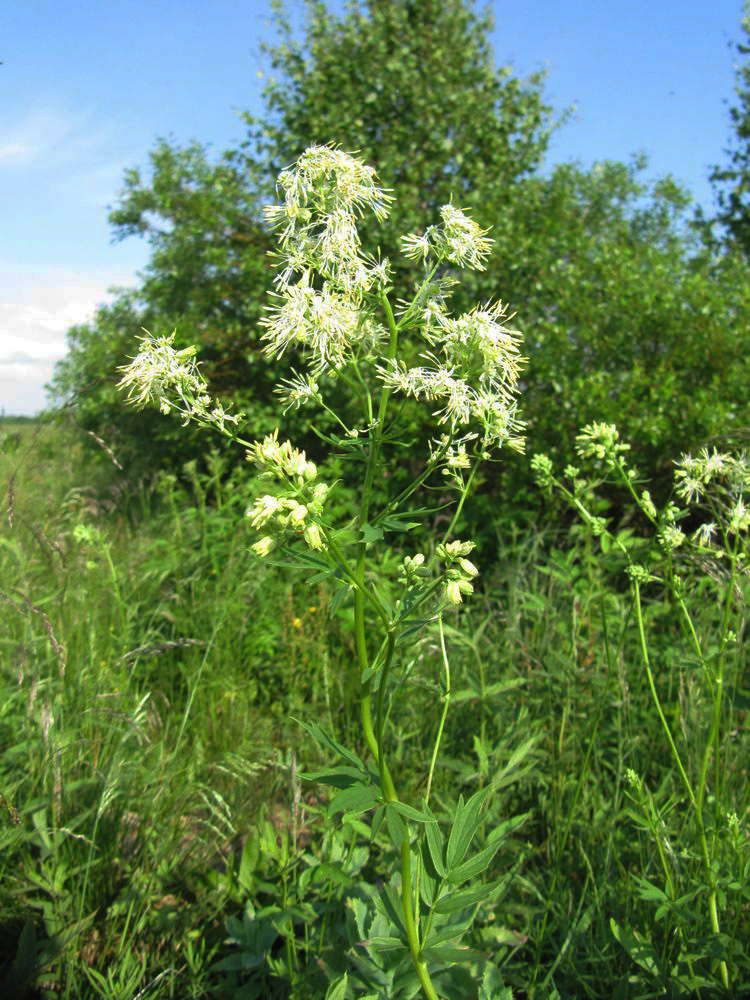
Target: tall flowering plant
x,y
331,307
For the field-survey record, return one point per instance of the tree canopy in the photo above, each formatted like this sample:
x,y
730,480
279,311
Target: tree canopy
x,y
628,316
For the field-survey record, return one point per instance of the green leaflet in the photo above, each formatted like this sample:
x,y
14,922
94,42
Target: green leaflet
x,y
465,825
357,799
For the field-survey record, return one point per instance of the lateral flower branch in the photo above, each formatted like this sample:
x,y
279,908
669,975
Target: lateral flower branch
x,y
331,308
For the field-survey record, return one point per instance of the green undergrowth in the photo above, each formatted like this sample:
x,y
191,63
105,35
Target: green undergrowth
x,y
159,838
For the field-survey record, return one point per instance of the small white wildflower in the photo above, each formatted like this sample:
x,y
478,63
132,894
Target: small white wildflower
x,y
739,517
297,391
298,516
461,240
416,247
453,593
263,510
704,535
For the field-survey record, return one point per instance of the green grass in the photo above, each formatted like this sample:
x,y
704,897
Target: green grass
x,y
151,771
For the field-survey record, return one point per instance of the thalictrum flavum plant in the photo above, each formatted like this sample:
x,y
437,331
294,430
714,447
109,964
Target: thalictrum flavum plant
x,y
331,308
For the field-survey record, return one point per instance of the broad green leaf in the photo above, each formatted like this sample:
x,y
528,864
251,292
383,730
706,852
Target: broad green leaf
x,y
337,989
492,986
370,534
434,843
508,826
325,740
396,826
337,600
462,898
409,812
249,863
452,956
385,943
339,777
639,950
465,825
356,799
377,822
474,866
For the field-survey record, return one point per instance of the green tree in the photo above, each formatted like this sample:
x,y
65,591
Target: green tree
x,y
627,316
410,83
732,181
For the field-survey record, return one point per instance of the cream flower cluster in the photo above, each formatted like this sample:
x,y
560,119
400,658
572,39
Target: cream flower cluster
x,y
472,373
721,480
171,378
458,240
324,194
295,511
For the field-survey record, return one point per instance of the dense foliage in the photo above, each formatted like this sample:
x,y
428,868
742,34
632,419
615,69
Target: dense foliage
x,y
626,313
732,179
156,835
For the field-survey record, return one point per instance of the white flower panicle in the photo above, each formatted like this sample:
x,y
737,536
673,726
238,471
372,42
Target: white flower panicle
x,y
158,369
161,374
324,322
458,240
721,480
324,193
475,377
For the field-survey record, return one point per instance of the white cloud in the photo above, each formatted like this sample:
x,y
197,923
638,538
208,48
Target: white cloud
x,y
35,313
54,137
14,150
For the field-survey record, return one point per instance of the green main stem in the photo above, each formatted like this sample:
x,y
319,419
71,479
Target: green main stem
x,y
375,740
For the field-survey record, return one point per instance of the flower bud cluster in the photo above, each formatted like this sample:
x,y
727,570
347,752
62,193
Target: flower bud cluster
x,y
459,571
282,461
296,510
602,442
541,466
413,569
280,517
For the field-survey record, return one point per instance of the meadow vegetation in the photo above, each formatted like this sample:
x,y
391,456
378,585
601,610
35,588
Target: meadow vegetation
x,y
217,779
159,840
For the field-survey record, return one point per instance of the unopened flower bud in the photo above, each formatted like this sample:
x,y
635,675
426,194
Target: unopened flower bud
x,y
264,546
298,515
313,537
453,592
468,567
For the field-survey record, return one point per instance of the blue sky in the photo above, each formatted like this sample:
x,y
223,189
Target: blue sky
x,y
86,87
